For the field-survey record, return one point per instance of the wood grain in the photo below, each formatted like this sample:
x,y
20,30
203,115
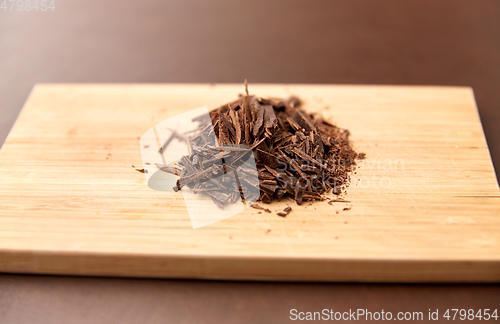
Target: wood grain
x,y
425,203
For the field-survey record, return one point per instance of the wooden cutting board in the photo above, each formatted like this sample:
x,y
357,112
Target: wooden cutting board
x,y
425,204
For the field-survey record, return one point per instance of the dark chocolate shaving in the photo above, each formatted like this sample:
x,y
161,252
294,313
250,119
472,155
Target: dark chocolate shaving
x,y
285,212
261,208
142,170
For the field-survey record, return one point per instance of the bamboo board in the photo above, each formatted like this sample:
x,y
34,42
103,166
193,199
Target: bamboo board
x,y
425,204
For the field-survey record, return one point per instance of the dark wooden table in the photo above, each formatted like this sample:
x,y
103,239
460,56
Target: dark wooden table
x,y
432,42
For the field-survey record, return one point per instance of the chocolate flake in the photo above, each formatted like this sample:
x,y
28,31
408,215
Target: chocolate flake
x,y
142,170
285,212
260,207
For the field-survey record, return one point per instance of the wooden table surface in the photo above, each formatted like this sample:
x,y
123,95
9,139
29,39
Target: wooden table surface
x,y
431,42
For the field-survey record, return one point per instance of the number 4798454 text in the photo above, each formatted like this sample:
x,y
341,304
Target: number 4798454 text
x,y
27,5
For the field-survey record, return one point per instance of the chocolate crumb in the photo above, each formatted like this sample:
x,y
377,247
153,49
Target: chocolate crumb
x,y
285,212
142,170
260,207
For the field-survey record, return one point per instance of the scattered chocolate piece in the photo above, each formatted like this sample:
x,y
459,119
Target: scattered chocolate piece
x,y
347,208
139,169
260,207
285,212
268,231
